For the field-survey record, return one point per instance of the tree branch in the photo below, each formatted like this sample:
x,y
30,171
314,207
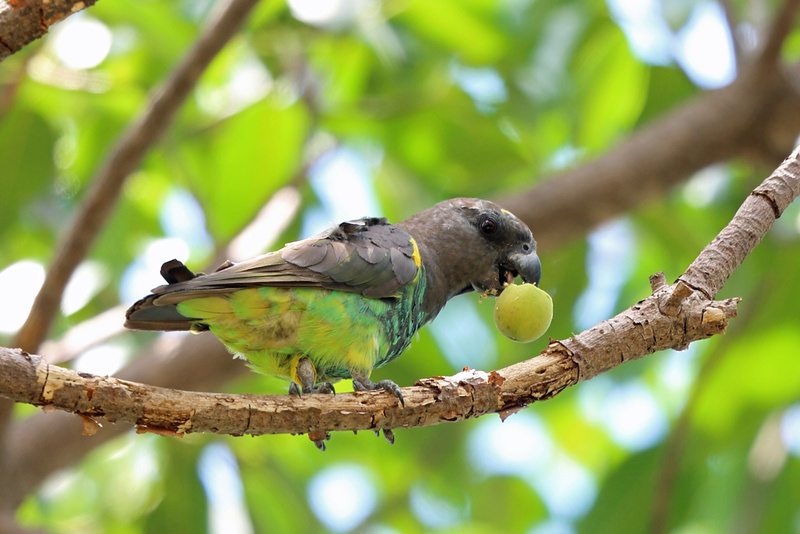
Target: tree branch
x,y
129,151
726,252
28,378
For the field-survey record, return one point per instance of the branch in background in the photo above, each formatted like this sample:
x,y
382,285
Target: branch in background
x,y
755,117
129,151
24,21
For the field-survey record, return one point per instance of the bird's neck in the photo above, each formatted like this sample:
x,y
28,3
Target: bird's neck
x,y
443,280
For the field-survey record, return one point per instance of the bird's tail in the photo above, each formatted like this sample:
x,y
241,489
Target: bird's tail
x,y
145,314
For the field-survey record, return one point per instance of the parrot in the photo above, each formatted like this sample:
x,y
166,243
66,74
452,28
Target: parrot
x,y
348,300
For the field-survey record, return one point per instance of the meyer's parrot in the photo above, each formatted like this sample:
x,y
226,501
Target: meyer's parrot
x,y
350,299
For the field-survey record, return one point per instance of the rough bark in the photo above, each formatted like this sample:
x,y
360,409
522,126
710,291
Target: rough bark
x,y
24,21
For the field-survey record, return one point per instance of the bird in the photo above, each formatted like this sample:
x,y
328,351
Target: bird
x,y
348,300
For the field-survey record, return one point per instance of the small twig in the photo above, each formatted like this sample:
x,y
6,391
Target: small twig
x,y
779,28
129,151
709,272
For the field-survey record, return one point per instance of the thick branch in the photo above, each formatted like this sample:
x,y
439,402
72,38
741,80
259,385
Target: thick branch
x,y
24,21
641,330
129,151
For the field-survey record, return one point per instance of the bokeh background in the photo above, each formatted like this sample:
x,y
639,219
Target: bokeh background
x,y
326,110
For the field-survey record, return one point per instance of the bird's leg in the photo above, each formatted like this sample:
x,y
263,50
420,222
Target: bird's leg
x,y
306,374
361,382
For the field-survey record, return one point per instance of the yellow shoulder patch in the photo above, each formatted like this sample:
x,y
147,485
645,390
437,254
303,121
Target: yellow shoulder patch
x,y
416,256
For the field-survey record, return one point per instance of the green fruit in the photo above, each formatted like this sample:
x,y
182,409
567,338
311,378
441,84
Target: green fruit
x,y
523,312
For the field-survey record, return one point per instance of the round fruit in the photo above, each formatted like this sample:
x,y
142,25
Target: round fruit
x,y
523,312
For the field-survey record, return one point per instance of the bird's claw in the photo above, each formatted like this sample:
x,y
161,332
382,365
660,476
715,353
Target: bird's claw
x,y
364,384
325,387
387,433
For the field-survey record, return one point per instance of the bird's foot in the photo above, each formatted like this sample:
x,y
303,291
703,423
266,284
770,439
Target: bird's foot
x,y
362,383
306,375
325,387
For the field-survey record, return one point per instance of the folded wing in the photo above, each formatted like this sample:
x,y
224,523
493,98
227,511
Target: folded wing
x,y
367,256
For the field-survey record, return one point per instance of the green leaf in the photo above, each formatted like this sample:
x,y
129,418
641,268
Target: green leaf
x,y
457,27
754,374
239,164
183,507
26,166
613,87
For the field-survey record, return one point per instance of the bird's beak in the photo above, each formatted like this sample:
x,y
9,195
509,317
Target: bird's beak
x,y
527,266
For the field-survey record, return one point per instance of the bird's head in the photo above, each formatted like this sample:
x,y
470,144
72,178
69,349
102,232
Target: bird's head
x,y
476,245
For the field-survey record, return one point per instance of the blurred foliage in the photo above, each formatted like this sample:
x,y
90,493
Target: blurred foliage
x,y
439,99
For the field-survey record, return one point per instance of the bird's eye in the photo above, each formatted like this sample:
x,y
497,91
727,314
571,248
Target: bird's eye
x,y
488,226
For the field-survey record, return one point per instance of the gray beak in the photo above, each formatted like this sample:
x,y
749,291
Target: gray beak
x,y
528,266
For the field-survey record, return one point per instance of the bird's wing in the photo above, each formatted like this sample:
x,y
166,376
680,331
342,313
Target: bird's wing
x,y
367,256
